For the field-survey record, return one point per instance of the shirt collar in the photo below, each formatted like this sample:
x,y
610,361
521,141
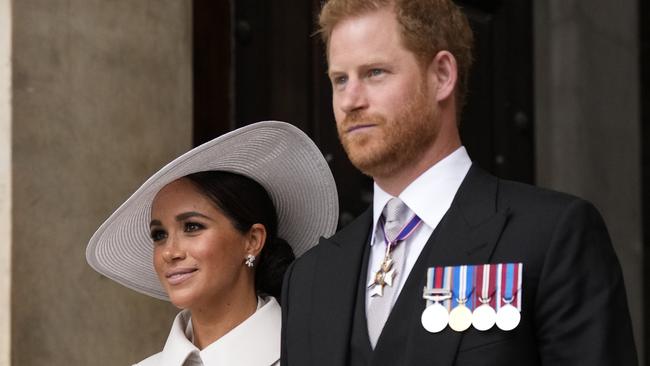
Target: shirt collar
x,y
256,341
430,195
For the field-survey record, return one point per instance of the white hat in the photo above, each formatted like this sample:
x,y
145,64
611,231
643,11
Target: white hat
x,y
275,154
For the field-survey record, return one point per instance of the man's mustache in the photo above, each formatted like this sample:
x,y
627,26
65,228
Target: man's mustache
x,y
357,118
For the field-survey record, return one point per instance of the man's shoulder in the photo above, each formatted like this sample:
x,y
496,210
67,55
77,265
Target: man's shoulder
x,y
526,202
545,208
526,196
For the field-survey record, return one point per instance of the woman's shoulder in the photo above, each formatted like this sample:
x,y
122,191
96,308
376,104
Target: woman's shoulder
x,y
150,361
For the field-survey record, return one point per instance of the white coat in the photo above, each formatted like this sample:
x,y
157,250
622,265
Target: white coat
x,y
254,342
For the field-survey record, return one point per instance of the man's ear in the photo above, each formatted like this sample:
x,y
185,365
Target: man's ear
x,y
256,237
444,71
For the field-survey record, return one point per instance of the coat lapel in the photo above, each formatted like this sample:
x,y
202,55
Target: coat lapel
x,y
472,225
337,276
467,235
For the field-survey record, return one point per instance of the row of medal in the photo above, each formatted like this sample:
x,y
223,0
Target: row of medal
x,y
479,296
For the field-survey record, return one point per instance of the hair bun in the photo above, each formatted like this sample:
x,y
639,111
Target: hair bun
x,y
276,256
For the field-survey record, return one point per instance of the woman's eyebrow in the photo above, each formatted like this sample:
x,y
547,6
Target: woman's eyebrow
x,y
187,215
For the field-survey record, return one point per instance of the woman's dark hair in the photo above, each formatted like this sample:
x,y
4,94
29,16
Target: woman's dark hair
x,y
245,202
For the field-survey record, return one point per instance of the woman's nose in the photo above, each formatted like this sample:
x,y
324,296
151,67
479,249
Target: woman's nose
x,y
173,251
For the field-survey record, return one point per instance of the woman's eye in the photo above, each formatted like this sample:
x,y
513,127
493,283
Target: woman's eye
x,y
158,235
192,226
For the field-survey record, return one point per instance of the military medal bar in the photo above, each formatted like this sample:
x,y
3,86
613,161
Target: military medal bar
x,y
479,296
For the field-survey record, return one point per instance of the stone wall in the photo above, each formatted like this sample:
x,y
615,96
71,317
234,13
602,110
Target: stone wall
x,y
101,99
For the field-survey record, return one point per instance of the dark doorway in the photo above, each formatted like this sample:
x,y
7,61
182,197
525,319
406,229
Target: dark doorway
x,y
644,27
212,69
278,71
497,124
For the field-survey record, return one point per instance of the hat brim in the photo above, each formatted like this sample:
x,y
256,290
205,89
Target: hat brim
x,y
275,154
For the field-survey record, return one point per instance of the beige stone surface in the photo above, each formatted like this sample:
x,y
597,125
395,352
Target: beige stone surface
x,y
588,123
5,182
102,99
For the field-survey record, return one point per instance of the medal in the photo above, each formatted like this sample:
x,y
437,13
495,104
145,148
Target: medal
x,y
460,318
435,316
509,315
484,316
383,277
386,273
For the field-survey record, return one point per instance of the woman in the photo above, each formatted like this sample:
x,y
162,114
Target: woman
x,y
204,232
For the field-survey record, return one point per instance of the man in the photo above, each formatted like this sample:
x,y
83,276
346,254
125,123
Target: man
x,y
408,282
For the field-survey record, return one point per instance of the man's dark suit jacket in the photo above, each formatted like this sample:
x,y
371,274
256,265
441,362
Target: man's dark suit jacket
x,y
574,309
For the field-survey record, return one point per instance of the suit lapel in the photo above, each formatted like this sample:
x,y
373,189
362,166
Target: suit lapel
x,y
337,275
467,235
473,223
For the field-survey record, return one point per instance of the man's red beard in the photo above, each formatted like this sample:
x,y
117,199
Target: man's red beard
x,y
390,145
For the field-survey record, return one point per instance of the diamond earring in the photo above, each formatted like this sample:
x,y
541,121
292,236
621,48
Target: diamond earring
x,y
250,260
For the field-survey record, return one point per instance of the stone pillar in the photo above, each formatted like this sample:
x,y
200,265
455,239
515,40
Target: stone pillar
x,y
101,99
588,123
5,182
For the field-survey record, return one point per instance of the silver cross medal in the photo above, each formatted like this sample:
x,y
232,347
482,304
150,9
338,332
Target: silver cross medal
x,y
384,276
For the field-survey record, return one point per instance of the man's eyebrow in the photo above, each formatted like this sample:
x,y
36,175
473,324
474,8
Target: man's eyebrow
x,y
374,64
331,72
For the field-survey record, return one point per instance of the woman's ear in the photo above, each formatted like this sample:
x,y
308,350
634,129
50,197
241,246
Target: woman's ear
x,y
444,73
256,237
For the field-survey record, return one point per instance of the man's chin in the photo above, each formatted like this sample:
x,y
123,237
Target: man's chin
x,y
369,164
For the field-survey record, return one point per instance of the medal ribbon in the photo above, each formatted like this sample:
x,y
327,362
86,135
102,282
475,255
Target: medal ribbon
x,y
463,286
447,285
516,302
492,286
439,278
485,285
510,284
500,283
404,233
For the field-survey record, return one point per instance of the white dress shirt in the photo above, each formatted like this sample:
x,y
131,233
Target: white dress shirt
x,y
429,196
254,342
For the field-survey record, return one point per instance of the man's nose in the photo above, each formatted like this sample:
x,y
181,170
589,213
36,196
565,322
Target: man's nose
x,y
353,97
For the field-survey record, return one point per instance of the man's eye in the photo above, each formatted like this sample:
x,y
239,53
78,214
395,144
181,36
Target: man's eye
x,y
375,72
340,80
158,235
192,226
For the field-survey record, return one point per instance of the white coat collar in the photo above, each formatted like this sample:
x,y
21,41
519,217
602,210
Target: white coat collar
x,y
256,341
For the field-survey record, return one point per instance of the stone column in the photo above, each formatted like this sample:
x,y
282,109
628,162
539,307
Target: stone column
x,y
5,182
101,99
588,123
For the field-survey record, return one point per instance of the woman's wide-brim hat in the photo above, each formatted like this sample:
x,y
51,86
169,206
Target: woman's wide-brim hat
x,y
275,154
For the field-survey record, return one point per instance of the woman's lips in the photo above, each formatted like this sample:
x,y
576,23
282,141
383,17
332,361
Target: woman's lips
x,y
180,275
